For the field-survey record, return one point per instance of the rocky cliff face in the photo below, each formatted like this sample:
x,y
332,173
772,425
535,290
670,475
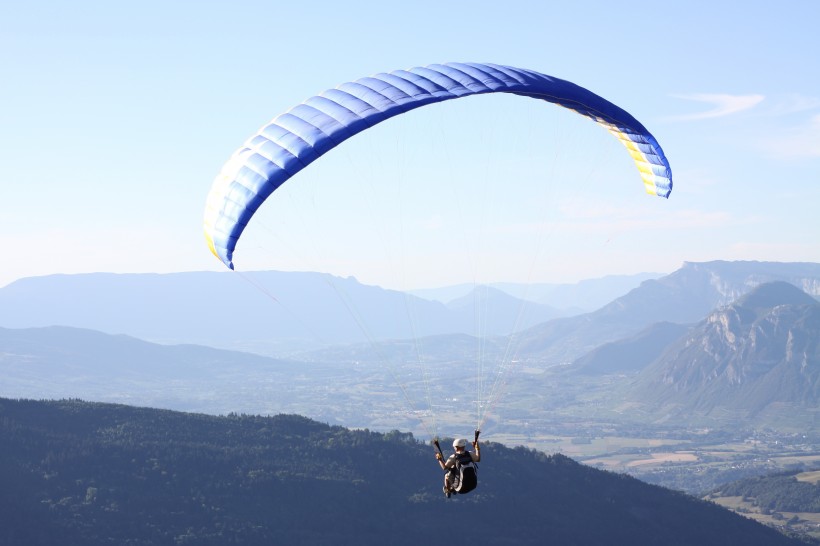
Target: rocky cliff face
x,y
729,281
755,355
694,290
683,297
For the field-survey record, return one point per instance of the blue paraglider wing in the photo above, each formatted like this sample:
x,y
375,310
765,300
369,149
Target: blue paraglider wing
x,y
291,141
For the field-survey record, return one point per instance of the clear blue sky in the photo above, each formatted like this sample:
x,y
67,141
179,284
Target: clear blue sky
x,y
117,116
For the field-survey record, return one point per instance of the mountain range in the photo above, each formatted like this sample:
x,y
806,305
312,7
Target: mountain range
x,y
759,355
283,314
753,361
575,298
273,313
683,297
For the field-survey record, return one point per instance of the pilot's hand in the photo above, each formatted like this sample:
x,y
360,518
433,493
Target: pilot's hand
x,y
439,456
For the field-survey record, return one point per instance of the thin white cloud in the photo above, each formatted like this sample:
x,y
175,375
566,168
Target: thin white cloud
x,y
793,103
802,141
790,139
723,105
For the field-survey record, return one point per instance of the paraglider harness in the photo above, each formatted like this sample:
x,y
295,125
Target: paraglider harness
x,y
465,472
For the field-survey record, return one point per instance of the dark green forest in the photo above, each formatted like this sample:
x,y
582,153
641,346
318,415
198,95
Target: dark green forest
x,y
776,493
79,473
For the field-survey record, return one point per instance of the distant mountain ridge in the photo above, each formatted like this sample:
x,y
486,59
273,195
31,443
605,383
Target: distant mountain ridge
x,y
62,362
683,297
273,313
583,296
755,361
632,354
758,355
284,314
696,289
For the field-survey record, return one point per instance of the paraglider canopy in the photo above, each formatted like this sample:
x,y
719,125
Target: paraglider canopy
x,y
296,138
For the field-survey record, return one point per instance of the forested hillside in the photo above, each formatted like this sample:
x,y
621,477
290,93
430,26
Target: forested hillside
x,y
73,472
780,493
787,500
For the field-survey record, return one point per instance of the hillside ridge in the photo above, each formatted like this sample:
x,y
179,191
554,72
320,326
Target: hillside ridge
x,y
90,473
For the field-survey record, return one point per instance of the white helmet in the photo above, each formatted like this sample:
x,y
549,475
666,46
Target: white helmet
x,y
459,442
